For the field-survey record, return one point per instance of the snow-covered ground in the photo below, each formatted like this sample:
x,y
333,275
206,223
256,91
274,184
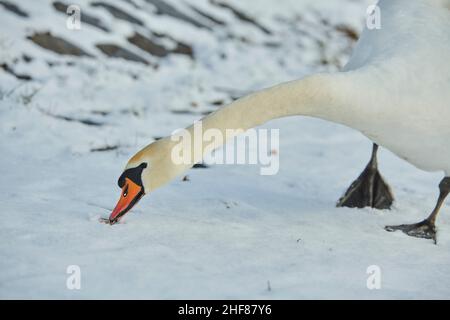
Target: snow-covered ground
x,y
228,232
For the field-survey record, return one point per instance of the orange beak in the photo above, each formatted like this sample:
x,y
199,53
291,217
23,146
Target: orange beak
x,y
131,194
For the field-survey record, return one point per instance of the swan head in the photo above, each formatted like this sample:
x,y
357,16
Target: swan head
x,y
133,189
145,171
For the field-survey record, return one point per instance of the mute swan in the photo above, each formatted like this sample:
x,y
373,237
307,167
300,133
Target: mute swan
x,y
395,90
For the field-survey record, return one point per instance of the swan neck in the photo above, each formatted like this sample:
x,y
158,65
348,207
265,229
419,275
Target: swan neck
x,y
315,96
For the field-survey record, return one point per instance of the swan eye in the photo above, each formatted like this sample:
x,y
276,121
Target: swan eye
x,y
125,192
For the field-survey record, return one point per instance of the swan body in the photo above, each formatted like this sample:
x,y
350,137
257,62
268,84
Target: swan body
x,y
401,76
395,90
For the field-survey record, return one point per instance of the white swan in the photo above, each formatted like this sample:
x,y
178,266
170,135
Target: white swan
x,y
395,90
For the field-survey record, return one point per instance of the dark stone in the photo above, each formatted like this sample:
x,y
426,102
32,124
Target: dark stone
x,y
349,32
163,8
112,50
56,44
150,46
207,16
147,45
87,122
105,148
14,9
183,48
131,3
241,16
8,69
27,58
118,13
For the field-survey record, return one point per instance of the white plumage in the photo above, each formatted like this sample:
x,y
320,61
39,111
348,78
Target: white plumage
x,y
399,81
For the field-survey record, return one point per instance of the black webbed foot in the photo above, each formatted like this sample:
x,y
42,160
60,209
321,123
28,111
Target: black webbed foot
x,y
368,190
425,229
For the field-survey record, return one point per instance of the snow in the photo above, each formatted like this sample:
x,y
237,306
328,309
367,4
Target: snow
x,y
228,232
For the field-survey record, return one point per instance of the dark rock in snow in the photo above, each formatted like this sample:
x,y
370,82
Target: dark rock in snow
x,y
158,50
101,112
183,48
105,148
187,111
147,45
56,44
27,58
87,122
207,16
166,9
118,13
8,69
130,2
217,103
348,31
112,50
241,15
14,9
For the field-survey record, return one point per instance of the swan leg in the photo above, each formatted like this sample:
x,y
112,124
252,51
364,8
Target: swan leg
x,y
427,228
369,189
